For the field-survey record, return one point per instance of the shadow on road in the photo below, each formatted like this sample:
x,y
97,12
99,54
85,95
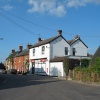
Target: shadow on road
x,y
16,81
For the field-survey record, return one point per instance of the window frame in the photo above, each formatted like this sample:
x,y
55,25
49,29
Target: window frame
x,y
66,50
73,51
43,49
34,52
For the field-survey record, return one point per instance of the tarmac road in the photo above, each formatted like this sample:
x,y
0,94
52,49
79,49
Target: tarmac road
x,y
30,87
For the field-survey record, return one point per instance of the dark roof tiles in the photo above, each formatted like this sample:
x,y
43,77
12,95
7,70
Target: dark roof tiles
x,y
45,41
22,53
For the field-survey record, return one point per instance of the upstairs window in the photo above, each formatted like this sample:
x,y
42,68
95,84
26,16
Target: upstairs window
x,y
33,52
43,49
73,51
66,50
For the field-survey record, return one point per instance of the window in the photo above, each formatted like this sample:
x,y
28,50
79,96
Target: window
x,y
73,51
33,52
43,49
66,50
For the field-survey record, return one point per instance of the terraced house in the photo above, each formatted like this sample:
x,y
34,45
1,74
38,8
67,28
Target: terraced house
x,y
19,60
44,52
10,60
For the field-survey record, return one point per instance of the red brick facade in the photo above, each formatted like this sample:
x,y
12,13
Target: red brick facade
x,y
19,63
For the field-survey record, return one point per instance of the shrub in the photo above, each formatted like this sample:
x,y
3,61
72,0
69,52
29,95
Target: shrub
x,y
65,65
85,62
70,64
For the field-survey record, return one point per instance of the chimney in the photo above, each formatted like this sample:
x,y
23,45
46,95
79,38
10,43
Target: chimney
x,y
59,32
28,46
20,48
39,39
77,37
13,50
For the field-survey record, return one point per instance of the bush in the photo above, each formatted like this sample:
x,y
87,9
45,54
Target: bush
x,y
85,62
70,64
88,74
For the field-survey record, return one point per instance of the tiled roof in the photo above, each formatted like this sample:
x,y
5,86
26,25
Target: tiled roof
x,y
74,40
96,54
45,41
70,42
58,59
12,55
22,53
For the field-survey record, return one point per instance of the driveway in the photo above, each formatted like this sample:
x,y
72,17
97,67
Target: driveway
x,y
20,87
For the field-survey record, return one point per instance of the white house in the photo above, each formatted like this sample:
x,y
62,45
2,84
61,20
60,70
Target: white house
x,y
44,51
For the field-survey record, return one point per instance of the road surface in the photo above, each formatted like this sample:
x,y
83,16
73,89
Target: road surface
x,y
30,87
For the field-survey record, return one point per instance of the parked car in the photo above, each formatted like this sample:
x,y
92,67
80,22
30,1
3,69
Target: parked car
x,y
13,71
3,70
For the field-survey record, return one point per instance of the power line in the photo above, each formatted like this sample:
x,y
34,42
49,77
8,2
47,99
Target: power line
x,y
18,25
34,23
41,25
27,20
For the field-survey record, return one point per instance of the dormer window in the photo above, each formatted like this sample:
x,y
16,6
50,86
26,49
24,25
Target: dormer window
x,y
73,51
33,52
43,49
66,50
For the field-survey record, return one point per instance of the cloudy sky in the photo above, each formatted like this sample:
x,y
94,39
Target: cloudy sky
x,y
23,21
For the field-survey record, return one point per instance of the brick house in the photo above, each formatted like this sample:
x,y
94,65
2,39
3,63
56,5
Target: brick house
x,y
10,60
21,59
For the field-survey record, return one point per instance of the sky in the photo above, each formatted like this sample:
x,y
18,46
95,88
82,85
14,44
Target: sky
x,y
24,21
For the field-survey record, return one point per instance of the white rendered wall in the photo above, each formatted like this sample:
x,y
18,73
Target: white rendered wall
x,y
57,48
38,52
81,49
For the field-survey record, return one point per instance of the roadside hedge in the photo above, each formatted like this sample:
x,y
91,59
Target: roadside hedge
x,y
88,74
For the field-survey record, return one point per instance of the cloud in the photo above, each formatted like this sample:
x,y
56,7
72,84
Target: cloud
x,y
57,7
49,6
79,3
7,7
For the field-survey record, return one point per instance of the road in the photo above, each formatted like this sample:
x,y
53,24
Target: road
x,y
29,87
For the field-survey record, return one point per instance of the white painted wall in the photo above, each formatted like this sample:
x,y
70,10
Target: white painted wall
x,y
81,49
57,47
56,69
38,52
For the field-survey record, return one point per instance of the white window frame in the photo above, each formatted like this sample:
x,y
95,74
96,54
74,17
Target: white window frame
x,y
43,49
66,51
33,52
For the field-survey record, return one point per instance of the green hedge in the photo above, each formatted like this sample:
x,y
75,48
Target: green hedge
x,y
85,62
88,74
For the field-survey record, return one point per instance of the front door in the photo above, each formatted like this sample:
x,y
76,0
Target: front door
x,y
33,67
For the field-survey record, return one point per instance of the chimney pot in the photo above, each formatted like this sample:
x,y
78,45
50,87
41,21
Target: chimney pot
x,y
39,39
59,32
77,37
28,46
20,48
13,50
